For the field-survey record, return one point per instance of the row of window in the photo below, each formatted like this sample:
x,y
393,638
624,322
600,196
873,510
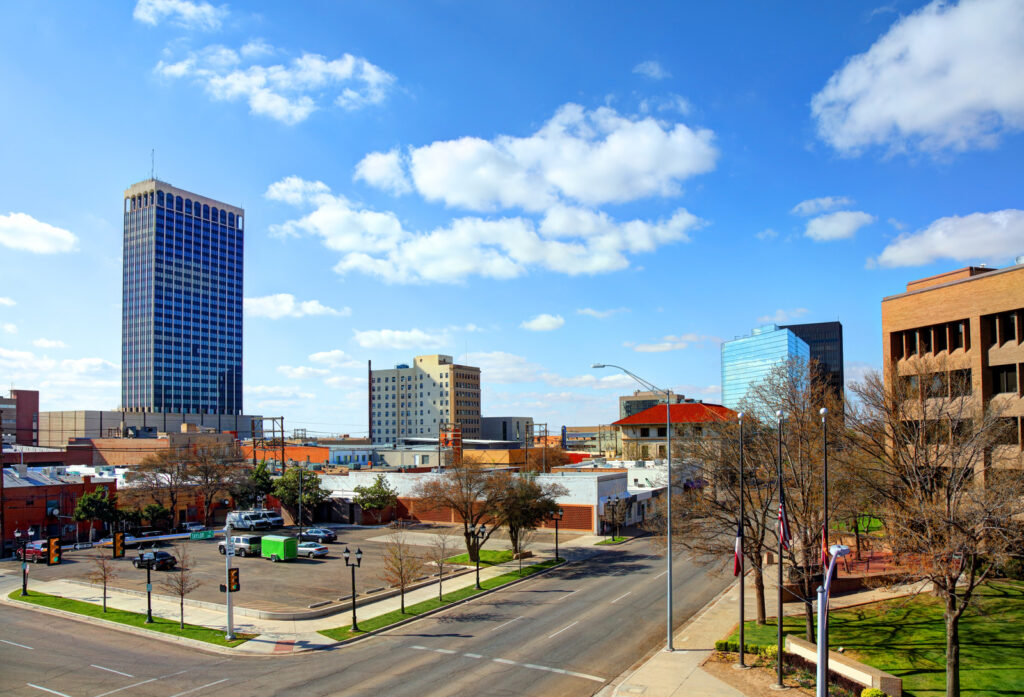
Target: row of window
x,y
181,204
957,383
1003,328
923,341
940,431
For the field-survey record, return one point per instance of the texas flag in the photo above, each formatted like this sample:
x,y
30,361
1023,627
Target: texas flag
x,y
737,562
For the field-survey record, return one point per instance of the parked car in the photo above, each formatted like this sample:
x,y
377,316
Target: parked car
x,y
35,551
247,520
320,535
245,545
312,549
192,527
155,560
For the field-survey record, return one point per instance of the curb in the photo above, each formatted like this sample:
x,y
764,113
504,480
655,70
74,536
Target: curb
x,y
429,613
128,629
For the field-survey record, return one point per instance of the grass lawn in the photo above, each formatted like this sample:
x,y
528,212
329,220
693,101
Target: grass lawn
x,y
612,541
135,619
908,639
381,621
488,557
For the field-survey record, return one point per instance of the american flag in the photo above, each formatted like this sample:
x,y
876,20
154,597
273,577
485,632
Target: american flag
x,y
784,535
737,561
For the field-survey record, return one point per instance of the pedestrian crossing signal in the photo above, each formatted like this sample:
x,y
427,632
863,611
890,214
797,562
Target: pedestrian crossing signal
x,y
53,551
118,545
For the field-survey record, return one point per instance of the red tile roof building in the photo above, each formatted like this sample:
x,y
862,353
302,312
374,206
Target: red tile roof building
x,y
644,433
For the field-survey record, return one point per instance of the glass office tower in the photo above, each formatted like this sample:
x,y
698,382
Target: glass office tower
x,y
825,340
748,360
181,342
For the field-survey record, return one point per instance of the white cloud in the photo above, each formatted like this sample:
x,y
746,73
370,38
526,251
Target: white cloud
x,y
277,391
991,237
543,323
72,383
285,305
672,343
590,157
857,371
301,372
766,234
783,316
7,302
346,382
400,339
335,358
600,314
22,231
814,206
840,225
49,343
256,48
383,170
285,92
615,381
945,77
501,367
376,243
651,69
184,13
10,328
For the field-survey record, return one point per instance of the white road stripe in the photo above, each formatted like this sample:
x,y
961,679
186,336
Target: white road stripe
x,y
472,655
508,662
662,573
46,689
448,651
21,646
127,687
620,598
111,670
505,661
570,593
504,623
201,687
563,629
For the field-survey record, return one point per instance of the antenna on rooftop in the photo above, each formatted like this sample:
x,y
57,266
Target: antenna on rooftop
x,y
152,163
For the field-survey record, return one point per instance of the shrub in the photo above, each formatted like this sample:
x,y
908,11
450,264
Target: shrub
x,y
769,652
1013,568
872,692
734,647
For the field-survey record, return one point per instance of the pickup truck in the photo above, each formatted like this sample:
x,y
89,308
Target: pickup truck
x,y
155,560
35,552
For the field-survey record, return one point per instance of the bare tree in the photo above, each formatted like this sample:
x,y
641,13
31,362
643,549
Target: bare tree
x,y
615,513
401,565
470,491
442,547
930,454
521,504
103,571
164,476
213,472
180,581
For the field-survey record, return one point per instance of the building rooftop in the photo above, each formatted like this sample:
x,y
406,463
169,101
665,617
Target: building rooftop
x,y
690,412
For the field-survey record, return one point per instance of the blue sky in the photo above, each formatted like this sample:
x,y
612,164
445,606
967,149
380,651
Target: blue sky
x,y
541,185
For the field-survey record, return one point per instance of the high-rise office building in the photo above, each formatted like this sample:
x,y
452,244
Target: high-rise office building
x,y
825,339
748,360
182,313
413,402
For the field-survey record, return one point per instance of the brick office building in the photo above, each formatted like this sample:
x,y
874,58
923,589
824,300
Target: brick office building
x,y
969,324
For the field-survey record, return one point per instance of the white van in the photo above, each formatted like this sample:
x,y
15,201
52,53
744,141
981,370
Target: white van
x,y
247,520
271,516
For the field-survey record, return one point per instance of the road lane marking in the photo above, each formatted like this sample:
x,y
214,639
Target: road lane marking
x,y
46,689
127,687
448,651
662,573
570,593
111,670
504,623
18,645
620,598
201,687
563,629
508,662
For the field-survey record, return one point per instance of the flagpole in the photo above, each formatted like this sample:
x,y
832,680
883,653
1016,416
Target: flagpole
x,y
823,639
782,499
741,550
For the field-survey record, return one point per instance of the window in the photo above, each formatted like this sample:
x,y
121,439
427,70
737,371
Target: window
x,y
1004,379
645,432
940,338
925,340
1007,327
662,431
911,343
1007,432
935,385
956,335
990,326
960,383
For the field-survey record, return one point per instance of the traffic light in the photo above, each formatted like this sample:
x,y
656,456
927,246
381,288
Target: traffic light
x,y
233,583
118,545
53,551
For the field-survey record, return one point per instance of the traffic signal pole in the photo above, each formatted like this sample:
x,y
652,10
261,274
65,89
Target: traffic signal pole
x,y
228,548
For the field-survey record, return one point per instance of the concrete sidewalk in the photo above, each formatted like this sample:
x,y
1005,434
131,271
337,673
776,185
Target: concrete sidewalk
x,y
679,673
286,636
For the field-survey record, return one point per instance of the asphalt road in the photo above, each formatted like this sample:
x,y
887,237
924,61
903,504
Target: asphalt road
x,y
565,633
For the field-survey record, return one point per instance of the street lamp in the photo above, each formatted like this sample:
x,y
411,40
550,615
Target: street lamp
x,y
836,551
556,517
479,534
359,561
668,503
24,561
148,561
740,548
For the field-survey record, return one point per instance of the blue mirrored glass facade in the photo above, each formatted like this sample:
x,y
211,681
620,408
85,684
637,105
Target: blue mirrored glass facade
x,y
748,360
182,302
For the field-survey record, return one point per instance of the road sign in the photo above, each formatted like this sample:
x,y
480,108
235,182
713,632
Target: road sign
x,y
202,535
149,587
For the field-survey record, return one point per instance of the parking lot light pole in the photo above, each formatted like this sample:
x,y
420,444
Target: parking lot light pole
x,y
479,534
229,549
556,517
149,592
359,560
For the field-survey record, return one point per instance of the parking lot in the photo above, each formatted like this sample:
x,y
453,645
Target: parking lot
x,y
284,586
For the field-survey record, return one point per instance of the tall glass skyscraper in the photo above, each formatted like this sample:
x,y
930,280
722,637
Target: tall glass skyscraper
x,y
825,340
181,321
748,360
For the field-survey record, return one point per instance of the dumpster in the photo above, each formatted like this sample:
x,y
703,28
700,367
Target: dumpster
x,y
279,547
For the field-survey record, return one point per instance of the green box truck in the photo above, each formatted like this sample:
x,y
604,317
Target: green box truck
x,y
279,547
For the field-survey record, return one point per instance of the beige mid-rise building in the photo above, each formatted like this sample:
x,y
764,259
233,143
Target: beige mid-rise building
x,y
413,401
969,325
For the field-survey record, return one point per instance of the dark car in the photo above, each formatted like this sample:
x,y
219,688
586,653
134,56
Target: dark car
x,y
320,535
155,560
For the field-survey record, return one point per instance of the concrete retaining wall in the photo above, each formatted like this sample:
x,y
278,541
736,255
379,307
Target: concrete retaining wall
x,y
847,667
